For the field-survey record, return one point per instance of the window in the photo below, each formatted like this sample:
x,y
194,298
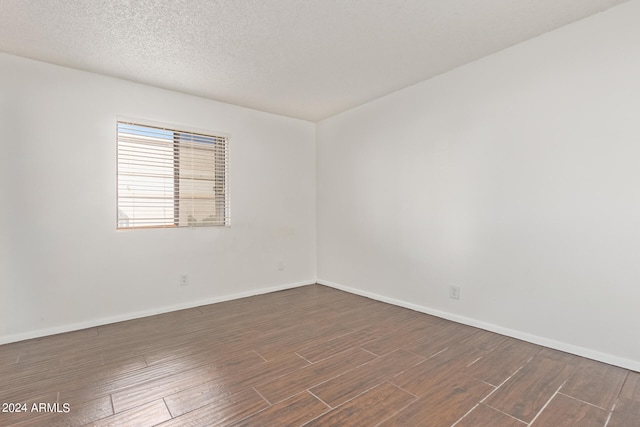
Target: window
x,y
171,178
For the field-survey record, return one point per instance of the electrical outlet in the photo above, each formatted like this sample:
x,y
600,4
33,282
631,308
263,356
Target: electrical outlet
x,y
281,266
184,280
454,292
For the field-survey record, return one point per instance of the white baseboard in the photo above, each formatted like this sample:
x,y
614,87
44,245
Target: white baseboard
x,y
546,342
144,313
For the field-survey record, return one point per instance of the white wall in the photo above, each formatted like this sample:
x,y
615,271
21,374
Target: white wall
x,y
516,177
64,265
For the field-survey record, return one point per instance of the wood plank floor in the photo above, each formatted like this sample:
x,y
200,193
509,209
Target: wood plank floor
x,y
311,356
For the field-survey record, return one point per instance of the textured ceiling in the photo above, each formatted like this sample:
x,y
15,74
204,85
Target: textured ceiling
x,y
309,59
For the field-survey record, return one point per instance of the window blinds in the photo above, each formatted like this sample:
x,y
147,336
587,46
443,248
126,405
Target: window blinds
x,y
171,178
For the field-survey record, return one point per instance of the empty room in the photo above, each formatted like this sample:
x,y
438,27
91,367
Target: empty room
x,y
320,213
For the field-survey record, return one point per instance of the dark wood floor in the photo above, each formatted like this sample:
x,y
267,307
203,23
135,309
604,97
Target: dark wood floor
x,y
310,356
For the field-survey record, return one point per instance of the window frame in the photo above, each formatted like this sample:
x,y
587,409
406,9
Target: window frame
x,y
177,129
